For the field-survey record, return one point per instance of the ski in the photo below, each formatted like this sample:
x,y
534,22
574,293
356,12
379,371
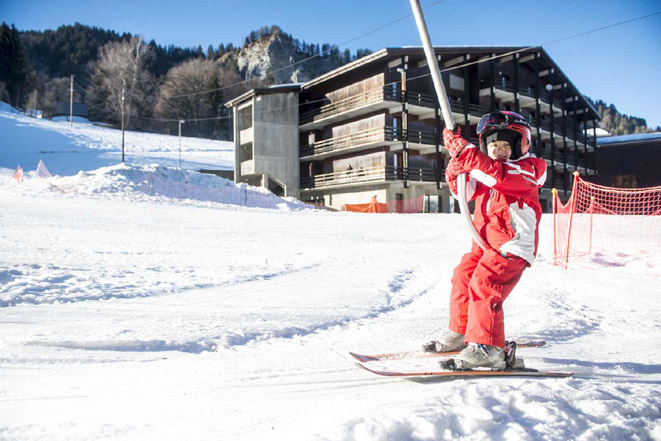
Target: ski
x,y
455,374
364,358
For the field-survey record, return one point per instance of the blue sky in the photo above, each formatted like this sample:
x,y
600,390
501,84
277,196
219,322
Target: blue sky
x,y
619,65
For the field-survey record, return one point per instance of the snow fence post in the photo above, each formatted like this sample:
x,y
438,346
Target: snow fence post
x,y
572,207
591,216
554,193
19,174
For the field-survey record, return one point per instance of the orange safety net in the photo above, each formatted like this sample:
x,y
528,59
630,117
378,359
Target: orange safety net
x,y
598,219
372,207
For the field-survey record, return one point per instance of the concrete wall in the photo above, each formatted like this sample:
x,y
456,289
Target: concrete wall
x,y
275,134
240,124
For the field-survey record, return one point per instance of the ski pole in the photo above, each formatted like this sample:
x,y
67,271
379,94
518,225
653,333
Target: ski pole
x,y
446,112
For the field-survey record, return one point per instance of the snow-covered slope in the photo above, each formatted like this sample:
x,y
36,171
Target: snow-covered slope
x,y
67,149
132,316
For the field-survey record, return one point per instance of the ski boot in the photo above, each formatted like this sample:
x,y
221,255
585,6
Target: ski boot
x,y
486,356
477,355
451,341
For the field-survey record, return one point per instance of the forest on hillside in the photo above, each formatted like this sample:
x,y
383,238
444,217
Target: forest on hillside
x,y
159,85
618,123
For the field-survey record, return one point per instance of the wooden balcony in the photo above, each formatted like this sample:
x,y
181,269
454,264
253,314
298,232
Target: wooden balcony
x,y
504,91
364,139
378,174
557,183
386,97
559,132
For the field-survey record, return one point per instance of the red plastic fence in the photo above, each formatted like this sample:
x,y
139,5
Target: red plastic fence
x,y
408,206
599,219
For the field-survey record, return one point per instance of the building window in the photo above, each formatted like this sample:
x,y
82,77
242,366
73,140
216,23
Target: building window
x,y
245,118
624,181
245,152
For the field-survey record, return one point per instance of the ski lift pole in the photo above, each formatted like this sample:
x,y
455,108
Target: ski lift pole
x,y
446,112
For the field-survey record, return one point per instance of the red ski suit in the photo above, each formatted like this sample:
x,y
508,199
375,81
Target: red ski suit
x,y
507,215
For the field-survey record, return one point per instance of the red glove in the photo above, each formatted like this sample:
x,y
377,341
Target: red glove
x,y
453,170
454,142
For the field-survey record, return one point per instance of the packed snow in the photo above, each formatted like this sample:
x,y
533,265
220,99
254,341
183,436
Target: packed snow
x,y
136,316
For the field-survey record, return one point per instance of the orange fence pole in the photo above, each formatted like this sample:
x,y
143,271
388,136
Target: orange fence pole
x,y
554,192
591,216
572,207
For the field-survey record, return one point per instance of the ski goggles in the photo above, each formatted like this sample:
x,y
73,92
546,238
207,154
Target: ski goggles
x,y
498,120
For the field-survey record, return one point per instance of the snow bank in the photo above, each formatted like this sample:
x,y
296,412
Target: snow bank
x,y
76,119
4,107
154,182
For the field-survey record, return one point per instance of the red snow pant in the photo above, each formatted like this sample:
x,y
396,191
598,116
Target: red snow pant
x,y
481,283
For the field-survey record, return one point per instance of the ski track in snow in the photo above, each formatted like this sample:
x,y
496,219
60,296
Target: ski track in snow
x,y
50,284
128,316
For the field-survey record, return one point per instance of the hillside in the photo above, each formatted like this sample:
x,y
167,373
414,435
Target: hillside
x,y
69,49
68,149
617,123
165,84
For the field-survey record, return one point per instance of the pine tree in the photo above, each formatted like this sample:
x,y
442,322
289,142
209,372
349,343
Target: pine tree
x,y
13,64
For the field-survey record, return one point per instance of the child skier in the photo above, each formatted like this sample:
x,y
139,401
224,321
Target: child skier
x,y
504,180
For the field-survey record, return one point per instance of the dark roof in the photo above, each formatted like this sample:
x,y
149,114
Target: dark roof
x,y
276,88
630,139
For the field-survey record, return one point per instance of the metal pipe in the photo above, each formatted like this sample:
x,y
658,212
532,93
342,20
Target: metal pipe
x,y
433,65
446,112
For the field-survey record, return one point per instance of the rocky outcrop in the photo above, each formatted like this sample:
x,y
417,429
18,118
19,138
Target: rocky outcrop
x,y
270,58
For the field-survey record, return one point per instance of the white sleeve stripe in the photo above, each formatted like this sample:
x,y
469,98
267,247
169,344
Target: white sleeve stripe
x,y
484,178
471,186
514,172
519,169
542,179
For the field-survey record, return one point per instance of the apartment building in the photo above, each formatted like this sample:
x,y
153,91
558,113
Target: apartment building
x,y
373,127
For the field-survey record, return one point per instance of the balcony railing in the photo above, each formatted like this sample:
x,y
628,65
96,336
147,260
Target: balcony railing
x,y
369,174
558,182
420,99
365,137
559,131
378,95
501,83
372,96
562,157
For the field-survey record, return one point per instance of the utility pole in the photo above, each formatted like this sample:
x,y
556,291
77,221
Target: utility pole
x,y
71,103
181,121
123,100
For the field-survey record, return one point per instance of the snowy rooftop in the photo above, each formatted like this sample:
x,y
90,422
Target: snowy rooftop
x,y
288,87
638,137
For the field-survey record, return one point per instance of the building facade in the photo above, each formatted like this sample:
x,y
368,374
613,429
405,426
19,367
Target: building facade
x,y
373,127
630,161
